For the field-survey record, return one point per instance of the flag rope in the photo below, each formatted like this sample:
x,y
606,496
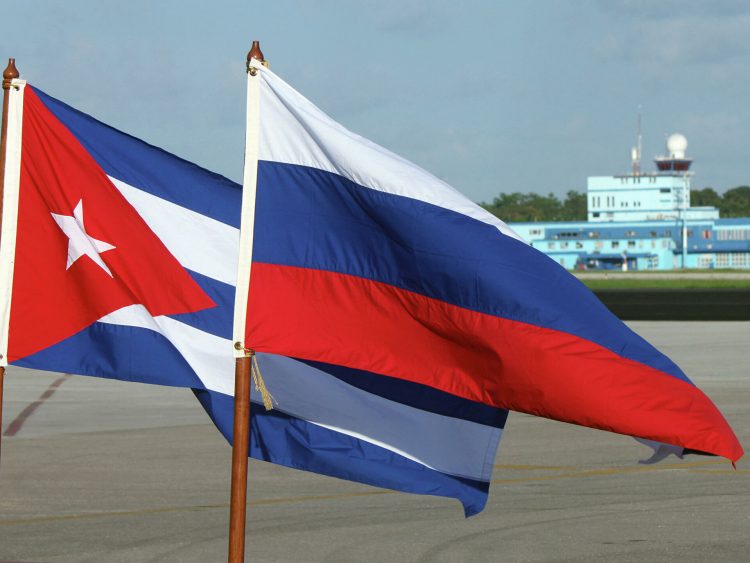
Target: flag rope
x,y
260,385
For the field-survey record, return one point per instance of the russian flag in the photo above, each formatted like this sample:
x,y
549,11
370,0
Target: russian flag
x,y
403,294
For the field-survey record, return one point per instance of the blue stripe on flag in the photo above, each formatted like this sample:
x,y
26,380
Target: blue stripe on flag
x,y
117,352
293,442
217,320
150,168
315,219
416,395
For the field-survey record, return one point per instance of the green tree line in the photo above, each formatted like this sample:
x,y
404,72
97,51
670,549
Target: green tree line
x,y
733,203
518,208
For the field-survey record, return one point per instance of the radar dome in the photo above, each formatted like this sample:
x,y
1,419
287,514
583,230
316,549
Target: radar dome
x,y
676,145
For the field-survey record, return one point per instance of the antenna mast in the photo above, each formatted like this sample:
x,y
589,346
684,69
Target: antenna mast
x,y
637,150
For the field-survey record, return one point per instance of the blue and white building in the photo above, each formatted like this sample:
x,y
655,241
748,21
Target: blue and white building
x,y
644,221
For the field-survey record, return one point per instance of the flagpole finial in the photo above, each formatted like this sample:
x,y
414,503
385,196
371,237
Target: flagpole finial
x,y
10,73
255,53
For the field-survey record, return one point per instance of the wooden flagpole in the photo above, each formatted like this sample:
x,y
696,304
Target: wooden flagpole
x,y
240,447
9,74
241,441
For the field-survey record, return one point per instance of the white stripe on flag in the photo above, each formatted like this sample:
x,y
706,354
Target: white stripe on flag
x,y
200,243
209,356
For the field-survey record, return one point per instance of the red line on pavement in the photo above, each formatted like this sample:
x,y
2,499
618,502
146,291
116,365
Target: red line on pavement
x,y
17,423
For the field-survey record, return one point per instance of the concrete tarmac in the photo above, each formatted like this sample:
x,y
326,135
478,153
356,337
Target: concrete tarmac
x,y
98,470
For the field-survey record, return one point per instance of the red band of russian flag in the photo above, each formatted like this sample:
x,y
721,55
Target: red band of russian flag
x,y
355,322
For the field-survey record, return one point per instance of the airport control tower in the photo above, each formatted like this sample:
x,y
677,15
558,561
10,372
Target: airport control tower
x,y
656,196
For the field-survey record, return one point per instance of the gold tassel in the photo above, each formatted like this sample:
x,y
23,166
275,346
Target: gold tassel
x,y
260,385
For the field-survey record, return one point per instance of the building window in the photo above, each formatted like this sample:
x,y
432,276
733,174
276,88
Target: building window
x,y
615,244
563,245
551,245
593,234
652,234
629,233
741,260
595,214
598,245
706,234
667,233
579,244
722,259
631,244
733,234
533,232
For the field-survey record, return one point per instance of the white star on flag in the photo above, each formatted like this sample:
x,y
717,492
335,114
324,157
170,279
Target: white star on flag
x,y
80,243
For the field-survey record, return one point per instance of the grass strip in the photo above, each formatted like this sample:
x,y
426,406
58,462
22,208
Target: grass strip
x,y
666,284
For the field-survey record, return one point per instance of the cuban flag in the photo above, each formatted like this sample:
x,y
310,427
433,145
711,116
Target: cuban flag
x,y
116,257
423,317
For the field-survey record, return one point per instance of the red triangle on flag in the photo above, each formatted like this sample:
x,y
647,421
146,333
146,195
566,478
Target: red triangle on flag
x,y
82,250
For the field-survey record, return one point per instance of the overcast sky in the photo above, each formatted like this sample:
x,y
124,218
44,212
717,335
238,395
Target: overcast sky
x,y
489,95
